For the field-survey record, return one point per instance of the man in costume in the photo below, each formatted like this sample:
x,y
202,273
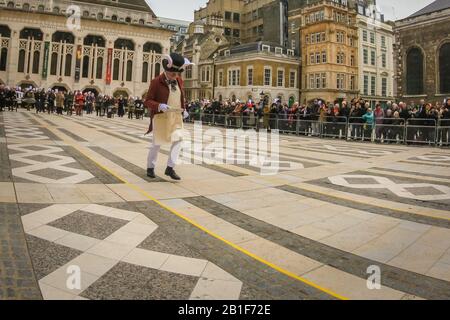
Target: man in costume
x,y
165,99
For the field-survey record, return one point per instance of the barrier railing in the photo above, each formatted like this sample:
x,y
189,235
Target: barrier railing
x,y
386,130
443,133
421,131
391,130
334,127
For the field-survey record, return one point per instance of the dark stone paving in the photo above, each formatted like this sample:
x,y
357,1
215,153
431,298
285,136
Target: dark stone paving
x,y
50,134
27,208
108,133
265,281
5,166
130,282
386,194
89,224
102,175
411,173
396,278
368,207
347,154
72,135
17,279
47,256
161,241
134,169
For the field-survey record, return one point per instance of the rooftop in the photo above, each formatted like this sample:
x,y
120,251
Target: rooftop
x,y
435,6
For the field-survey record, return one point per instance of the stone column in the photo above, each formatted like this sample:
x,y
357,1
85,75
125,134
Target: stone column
x,y
13,59
137,72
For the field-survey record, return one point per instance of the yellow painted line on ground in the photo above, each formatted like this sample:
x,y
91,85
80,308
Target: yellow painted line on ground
x,y
212,234
342,197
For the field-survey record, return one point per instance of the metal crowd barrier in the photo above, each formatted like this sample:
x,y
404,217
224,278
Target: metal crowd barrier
x,y
386,130
443,133
334,127
390,130
421,131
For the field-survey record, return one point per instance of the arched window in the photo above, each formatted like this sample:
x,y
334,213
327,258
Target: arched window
x,y
99,73
141,21
114,18
124,43
85,67
10,4
41,8
151,46
60,36
68,69
36,58
54,64
56,10
414,72
145,72
94,40
116,69
129,70
26,7
32,33
100,16
444,68
21,65
85,13
5,32
3,58
128,20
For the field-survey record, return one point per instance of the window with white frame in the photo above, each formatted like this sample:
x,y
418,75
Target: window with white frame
x,y
278,50
365,35
267,76
312,59
366,56
373,85
188,72
250,76
384,87
318,80
383,41
234,77
324,80
373,57
318,57
340,81
220,78
383,60
311,81
292,79
372,38
280,78
352,83
366,85
324,57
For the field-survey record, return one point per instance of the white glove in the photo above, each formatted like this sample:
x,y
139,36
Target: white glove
x,y
163,107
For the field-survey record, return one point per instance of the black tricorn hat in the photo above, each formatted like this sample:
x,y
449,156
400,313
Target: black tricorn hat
x,y
174,62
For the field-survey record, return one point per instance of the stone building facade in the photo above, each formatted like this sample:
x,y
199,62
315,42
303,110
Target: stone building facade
x,y
423,54
257,70
328,42
115,49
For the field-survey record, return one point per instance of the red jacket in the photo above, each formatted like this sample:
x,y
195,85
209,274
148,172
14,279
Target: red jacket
x,y
159,93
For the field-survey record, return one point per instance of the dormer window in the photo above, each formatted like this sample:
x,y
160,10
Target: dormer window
x,y
278,50
265,48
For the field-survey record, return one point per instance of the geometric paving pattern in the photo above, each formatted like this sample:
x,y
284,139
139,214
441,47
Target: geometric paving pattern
x,y
117,259
27,132
430,192
25,152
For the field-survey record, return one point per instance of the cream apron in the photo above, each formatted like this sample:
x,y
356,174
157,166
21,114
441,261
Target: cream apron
x,y
168,126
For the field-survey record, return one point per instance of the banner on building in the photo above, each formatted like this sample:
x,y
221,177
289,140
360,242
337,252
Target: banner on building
x,y
78,63
45,64
109,66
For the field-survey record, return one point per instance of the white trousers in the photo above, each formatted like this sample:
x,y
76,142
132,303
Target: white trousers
x,y
173,155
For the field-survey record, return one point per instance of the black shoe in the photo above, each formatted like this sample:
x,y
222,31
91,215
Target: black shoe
x,y
171,173
151,173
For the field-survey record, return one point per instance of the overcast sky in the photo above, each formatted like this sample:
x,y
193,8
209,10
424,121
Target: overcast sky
x,y
184,9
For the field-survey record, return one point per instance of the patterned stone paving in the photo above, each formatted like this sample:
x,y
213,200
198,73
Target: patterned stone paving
x,y
333,210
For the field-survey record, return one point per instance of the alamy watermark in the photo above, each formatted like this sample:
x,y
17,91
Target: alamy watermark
x,y
233,147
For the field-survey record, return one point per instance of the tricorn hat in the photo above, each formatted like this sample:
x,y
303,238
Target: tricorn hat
x,y
174,62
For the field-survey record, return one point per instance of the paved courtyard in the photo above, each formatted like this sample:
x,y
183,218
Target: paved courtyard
x,y
74,192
